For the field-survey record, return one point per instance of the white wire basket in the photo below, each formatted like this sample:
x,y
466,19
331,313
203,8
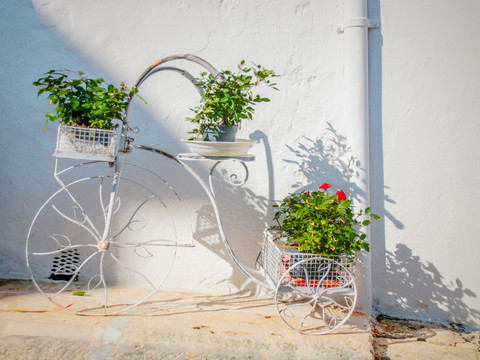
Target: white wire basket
x,y
75,142
277,259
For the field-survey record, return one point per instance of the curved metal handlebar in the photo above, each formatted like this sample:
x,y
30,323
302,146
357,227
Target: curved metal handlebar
x,y
188,57
156,67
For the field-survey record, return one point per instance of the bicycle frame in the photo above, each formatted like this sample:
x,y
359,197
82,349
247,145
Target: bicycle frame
x,y
125,144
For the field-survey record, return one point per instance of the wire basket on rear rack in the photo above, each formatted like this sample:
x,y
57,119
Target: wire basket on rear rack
x,y
277,258
75,142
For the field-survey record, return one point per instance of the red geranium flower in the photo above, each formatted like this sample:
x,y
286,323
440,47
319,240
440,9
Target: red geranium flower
x,y
340,195
324,186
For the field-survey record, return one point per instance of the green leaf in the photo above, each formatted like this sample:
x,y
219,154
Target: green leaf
x,y
299,213
79,293
75,103
343,203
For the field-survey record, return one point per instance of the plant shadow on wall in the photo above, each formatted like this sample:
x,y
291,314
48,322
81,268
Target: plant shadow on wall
x,y
430,294
324,160
329,159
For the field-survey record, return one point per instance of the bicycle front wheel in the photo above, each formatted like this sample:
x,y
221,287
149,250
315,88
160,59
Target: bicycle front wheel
x,y
68,263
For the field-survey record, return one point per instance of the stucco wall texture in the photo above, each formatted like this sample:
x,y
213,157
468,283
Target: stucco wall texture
x,y
424,153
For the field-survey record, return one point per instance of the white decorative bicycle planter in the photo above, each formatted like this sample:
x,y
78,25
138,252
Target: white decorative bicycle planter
x,y
108,229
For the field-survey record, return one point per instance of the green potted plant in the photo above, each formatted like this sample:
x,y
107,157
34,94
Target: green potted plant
x,y
322,224
81,101
227,100
315,222
86,109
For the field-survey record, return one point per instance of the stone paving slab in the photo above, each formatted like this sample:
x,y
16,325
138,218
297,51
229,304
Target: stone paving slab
x,y
409,339
170,326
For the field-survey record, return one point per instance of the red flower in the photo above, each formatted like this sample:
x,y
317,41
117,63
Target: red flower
x,y
324,186
340,195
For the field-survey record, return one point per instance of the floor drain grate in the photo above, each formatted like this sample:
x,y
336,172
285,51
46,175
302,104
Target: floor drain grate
x,y
65,265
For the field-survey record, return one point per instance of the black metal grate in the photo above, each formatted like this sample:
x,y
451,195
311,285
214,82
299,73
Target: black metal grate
x,y
65,265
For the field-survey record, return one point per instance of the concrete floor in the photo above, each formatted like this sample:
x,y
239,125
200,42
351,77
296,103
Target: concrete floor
x,y
170,326
193,326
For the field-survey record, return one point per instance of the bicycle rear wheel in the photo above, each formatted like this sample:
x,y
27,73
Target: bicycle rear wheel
x,y
316,295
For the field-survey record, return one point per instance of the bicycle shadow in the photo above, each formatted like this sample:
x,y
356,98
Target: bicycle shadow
x,y
243,214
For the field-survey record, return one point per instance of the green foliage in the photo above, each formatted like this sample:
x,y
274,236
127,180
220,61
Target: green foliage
x,y
322,224
228,99
82,101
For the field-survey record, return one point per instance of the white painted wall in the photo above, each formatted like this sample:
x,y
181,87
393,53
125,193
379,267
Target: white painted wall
x,y
425,159
423,83
119,40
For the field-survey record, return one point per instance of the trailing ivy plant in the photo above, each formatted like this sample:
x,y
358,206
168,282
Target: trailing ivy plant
x,y
322,224
229,97
81,101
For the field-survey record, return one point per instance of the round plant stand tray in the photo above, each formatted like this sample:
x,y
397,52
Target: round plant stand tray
x,y
237,148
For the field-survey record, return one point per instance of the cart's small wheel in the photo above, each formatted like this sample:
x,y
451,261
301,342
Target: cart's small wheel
x,y
316,295
65,256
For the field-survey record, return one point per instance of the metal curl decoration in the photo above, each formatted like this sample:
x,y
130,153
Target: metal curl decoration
x,y
232,178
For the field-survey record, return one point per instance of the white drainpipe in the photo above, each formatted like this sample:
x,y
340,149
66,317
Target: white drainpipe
x,y
355,36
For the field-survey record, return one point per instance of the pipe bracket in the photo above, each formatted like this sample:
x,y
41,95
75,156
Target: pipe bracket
x,y
358,22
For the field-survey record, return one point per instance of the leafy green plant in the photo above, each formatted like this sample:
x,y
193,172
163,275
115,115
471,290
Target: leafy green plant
x,y
229,98
323,224
82,101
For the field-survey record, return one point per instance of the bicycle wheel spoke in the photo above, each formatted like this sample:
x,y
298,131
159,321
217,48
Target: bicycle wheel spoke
x,y
315,295
77,205
147,243
62,247
132,221
130,270
81,224
91,288
102,281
